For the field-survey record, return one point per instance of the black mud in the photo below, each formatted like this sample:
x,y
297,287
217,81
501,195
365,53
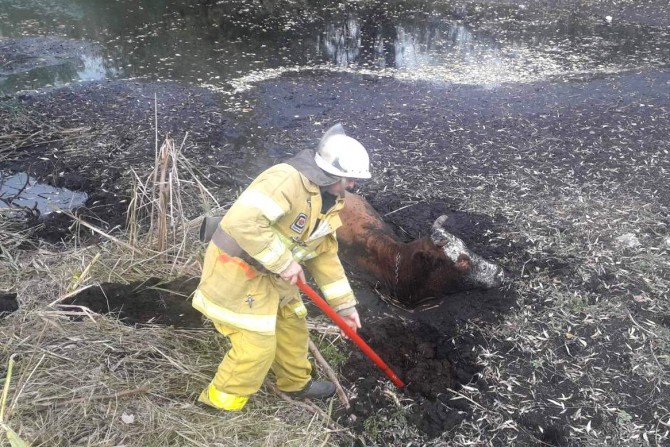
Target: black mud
x,y
417,178
99,132
8,303
153,301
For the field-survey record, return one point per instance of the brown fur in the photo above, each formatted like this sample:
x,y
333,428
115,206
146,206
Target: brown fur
x,y
411,272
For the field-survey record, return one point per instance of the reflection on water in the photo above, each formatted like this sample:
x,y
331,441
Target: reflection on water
x,y
87,68
341,42
93,68
35,62
404,46
215,42
22,192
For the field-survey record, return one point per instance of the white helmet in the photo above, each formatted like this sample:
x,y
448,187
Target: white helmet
x,y
341,155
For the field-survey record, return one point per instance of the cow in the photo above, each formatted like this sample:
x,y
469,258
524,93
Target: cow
x,y
412,272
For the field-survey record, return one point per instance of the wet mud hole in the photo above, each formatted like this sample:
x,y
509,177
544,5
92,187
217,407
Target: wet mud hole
x,y
426,346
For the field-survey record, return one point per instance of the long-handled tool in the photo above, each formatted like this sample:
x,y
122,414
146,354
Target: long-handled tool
x,y
367,350
211,223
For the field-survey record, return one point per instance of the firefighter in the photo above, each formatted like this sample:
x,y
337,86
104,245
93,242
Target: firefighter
x,y
284,220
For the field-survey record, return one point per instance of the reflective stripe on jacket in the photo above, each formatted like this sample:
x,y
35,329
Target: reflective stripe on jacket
x,y
274,221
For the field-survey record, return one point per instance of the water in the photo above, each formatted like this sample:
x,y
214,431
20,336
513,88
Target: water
x,y
22,193
225,44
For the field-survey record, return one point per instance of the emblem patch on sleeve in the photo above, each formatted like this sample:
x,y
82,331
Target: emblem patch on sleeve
x,y
299,223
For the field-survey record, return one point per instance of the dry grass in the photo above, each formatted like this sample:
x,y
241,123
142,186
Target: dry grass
x,y
87,379
74,367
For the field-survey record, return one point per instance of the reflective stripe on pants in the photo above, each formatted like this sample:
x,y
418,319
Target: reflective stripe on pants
x,y
223,401
252,354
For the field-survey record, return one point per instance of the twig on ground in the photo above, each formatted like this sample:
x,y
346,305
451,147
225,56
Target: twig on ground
x,y
640,327
466,398
328,329
108,236
309,406
62,298
399,209
330,373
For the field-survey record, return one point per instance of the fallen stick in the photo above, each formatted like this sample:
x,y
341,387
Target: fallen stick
x,y
467,398
140,390
330,373
329,329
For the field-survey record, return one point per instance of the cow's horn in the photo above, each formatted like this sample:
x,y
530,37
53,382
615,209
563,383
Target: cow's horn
x,y
438,235
440,221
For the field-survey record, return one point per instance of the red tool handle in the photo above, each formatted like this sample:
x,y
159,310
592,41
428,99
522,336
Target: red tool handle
x,y
367,350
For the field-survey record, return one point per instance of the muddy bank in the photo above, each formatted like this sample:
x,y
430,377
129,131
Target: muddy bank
x,y
513,164
602,132
593,131
99,133
434,148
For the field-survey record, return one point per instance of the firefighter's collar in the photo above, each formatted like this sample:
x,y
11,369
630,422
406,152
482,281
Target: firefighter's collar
x,y
304,163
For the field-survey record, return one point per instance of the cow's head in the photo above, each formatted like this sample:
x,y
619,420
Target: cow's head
x,y
425,272
478,272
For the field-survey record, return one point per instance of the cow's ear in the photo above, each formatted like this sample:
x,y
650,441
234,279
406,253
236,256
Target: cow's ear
x,y
424,259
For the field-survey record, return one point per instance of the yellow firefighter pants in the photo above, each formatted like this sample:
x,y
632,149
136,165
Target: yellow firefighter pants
x,y
252,355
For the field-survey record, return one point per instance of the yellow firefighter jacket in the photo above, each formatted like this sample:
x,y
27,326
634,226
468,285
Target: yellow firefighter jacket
x,y
272,222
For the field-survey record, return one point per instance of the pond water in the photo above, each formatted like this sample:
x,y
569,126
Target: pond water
x,y
226,44
20,193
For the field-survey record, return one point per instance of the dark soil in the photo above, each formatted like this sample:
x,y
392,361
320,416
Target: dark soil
x,y
432,171
552,120
153,301
99,131
8,303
